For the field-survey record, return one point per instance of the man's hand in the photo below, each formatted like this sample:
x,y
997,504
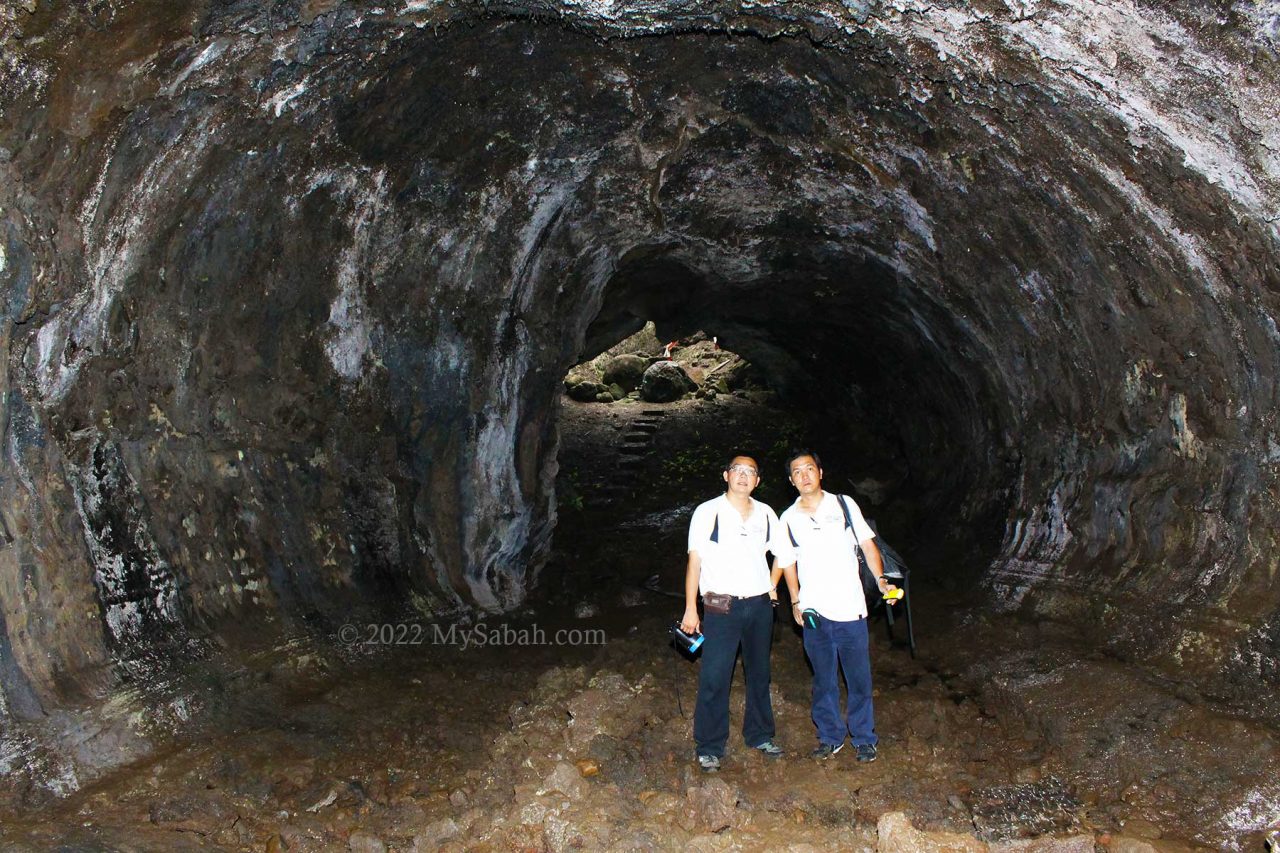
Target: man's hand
x,y
689,623
793,591
890,596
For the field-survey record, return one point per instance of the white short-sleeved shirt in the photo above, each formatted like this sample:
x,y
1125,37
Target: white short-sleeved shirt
x,y
828,567
732,549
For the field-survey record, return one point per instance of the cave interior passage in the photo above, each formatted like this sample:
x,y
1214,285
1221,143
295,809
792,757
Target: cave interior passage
x,y
291,295
640,444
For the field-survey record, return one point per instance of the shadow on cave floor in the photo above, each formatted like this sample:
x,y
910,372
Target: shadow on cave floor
x,y
516,739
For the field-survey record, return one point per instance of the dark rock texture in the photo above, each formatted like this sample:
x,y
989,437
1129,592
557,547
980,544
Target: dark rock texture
x,y
289,289
664,382
626,371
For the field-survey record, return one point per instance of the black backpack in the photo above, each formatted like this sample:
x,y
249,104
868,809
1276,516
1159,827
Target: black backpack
x,y
895,570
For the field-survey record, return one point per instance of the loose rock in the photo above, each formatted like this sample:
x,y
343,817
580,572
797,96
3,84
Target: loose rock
x,y
626,371
665,382
897,835
709,807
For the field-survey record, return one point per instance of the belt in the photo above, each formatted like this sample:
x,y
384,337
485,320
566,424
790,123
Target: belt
x,y
750,597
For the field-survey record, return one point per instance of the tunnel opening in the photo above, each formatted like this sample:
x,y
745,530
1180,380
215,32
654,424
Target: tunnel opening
x,y
633,461
863,367
869,456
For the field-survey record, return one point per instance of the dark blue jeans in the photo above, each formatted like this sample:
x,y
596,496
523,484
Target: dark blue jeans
x,y
842,644
749,624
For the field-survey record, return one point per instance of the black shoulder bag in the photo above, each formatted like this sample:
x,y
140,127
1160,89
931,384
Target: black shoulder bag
x,y
870,586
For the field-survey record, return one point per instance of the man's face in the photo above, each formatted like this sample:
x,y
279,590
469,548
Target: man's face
x,y
806,476
742,476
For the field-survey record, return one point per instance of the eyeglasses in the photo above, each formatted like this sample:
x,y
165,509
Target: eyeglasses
x,y
743,469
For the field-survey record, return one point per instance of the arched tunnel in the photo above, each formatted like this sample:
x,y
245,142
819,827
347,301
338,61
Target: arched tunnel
x,y
290,289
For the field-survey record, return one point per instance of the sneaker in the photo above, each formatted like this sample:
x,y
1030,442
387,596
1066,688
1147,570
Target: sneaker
x,y
770,749
709,763
867,752
826,750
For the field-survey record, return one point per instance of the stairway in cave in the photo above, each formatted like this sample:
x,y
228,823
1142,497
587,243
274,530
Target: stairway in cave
x,y
637,442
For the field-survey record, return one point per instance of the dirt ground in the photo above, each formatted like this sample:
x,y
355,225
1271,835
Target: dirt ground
x,y
568,725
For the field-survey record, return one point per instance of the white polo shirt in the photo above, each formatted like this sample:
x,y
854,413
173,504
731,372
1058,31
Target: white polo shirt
x,y
828,567
732,549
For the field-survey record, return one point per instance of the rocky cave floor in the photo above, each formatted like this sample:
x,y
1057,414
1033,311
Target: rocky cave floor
x,y
998,735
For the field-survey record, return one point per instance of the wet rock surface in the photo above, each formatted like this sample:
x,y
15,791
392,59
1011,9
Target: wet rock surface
x,y
289,291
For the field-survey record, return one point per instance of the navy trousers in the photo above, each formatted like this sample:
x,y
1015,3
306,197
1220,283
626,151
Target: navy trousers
x,y
841,645
749,625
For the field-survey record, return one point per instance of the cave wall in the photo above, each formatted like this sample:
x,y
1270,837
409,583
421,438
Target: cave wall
x,y
290,289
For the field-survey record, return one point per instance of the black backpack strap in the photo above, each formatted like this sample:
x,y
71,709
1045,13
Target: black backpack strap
x,y
848,525
715,530
848,519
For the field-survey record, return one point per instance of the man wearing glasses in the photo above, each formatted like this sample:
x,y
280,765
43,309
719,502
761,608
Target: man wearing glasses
x,y
728,539
828,602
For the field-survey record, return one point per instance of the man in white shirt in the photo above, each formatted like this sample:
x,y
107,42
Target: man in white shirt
x,y
728,539
826,588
